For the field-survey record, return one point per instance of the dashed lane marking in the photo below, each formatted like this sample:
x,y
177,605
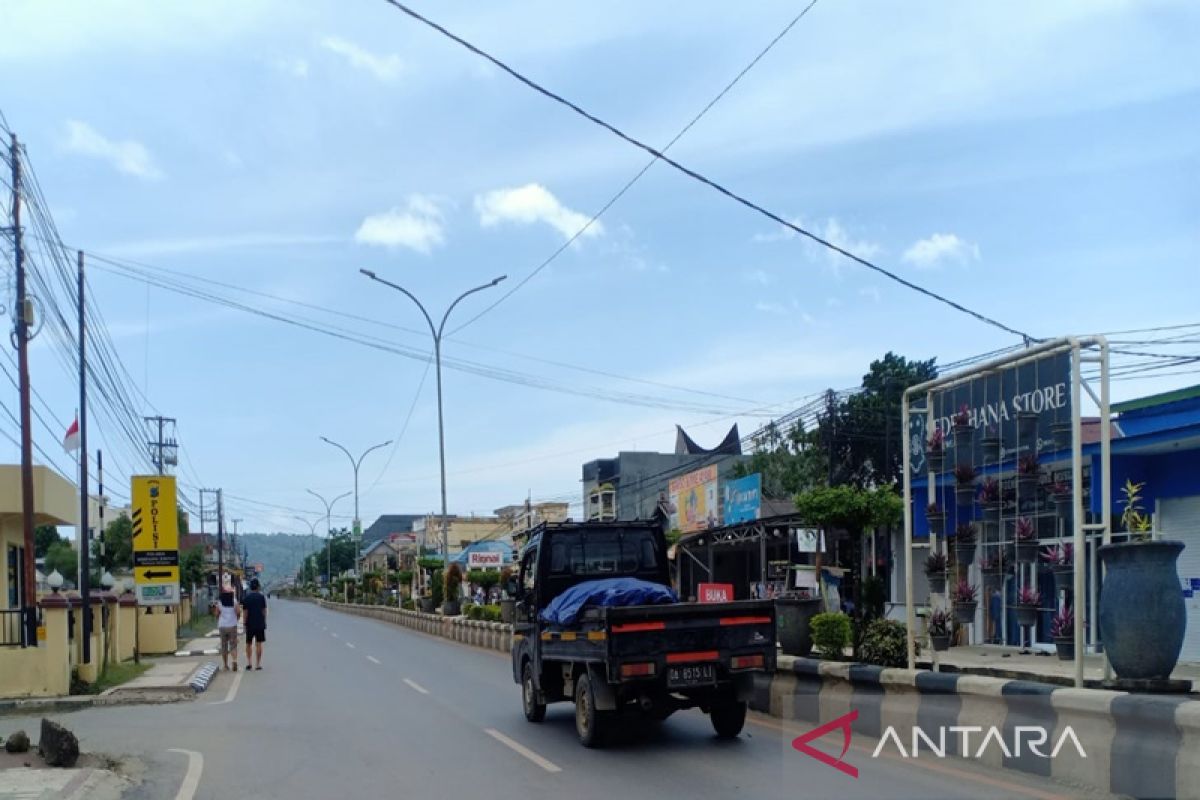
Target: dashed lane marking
x,y
521,749
374,660
416,686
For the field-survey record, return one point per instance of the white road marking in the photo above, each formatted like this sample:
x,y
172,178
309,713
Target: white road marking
x,y
418,687
348,644
233,690
187,789
374,660
517,747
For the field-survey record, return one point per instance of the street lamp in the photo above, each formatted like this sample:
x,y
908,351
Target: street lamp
x,y
356,465
328,530
437,357
312,532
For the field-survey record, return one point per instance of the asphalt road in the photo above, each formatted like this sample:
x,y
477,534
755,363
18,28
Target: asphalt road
x,y
352,707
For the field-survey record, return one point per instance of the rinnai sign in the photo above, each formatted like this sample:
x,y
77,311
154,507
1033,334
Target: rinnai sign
x,y
485,560
715,593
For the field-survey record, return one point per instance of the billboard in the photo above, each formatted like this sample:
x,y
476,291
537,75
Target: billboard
x,y
485,559
694,497
743,499
155,540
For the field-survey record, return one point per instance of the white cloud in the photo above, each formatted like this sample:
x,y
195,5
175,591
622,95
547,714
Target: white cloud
x,y
417,225
385,68
529,204
295,67
938,249
758,276
871,292
129,156
765,307
831,231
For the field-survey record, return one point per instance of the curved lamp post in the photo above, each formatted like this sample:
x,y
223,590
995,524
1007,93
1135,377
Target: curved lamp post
x,y
357,527
437,355
328,530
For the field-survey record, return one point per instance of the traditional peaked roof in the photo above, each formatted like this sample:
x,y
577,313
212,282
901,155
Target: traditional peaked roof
x,y
730,445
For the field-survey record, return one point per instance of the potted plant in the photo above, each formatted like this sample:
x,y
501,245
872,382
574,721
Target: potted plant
x,y
961,425
935,572
964,491
965,597
452,605
939,630
1061,433
1061,558
1142,614
936,517
1029,473
964,543
508,603
1062,630
990,444
1027,423
1025,533
1029,601
935,450
994,566
989,499
1060,493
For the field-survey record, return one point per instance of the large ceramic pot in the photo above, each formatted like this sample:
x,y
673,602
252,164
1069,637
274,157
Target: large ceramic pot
x,y
451,608
937,582
427,605
1142,614
965,553
1065,647
792,618
965,612
939,643
507,610
1027,616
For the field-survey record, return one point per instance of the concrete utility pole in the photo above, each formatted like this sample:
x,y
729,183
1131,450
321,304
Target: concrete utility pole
x,y
220,540
328,531
23,312
167,448
355,464
85,539
437,355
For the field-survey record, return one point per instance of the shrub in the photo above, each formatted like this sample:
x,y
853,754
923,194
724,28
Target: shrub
x,y
939,623
874,597
436,588
453,581
990,492
490,613
1026,530
487,578
885,644
1062,624
831,634
965,592
935,564
404,577
409,605
1028,596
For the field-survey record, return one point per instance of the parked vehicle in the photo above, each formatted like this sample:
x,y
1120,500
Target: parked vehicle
x,y
617,662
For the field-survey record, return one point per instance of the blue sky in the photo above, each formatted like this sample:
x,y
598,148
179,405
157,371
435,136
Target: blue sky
x,y
1035,161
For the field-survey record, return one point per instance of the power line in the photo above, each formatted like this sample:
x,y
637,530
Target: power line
x,y
693,174
637,176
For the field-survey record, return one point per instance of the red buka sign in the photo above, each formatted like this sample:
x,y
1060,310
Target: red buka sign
x,y
715,593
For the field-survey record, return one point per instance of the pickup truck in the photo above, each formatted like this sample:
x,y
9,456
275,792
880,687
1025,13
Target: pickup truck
x,y
643,661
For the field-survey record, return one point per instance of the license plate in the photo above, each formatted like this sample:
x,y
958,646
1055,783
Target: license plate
x,y
692,675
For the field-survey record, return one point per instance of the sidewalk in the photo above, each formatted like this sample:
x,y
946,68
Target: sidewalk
x,y
1008,662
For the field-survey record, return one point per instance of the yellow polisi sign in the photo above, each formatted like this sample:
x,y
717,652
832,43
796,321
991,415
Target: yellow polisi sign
x,y
155,540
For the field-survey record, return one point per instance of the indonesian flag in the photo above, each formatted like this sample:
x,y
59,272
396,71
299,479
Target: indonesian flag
x,y
71,441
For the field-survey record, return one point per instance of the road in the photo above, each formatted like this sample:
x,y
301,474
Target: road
x,y
353,707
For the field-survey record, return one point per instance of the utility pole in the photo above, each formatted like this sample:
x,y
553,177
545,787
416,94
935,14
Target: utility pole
x,y
85,539
23,311
165,447
220,542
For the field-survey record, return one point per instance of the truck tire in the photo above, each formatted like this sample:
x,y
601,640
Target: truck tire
x,y
728,717
534,711
590,725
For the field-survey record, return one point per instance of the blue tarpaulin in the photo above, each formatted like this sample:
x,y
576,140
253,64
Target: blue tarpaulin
x,y
565,609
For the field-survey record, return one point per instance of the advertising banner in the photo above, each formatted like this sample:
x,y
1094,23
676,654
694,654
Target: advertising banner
x,y
743,499
694,497
1019,405
485,560
155,540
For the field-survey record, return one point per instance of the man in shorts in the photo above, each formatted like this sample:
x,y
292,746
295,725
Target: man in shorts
x,y
254,618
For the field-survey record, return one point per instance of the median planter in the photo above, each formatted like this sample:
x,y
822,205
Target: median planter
x,y
1142,613
451,608
792,618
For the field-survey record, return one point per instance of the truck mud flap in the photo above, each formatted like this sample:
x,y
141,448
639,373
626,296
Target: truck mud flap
x,y
743,685
604,692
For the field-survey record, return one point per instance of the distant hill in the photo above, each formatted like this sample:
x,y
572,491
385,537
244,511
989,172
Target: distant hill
x,y
279,553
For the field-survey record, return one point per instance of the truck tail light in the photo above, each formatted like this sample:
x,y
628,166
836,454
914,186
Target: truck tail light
x,y
640,670
746,662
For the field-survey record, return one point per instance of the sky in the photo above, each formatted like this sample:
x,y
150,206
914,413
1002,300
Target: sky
x,y
1036,162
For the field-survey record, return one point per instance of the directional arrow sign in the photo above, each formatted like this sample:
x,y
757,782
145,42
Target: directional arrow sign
x,y
151,574
155,539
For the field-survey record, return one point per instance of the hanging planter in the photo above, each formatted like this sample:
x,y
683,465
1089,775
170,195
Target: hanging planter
x,y
935,451
1142,614
994,567
1026,538
964,543
1029,603
1062,630
936,517
1060,493
939,630
1029,474
965,601
990,444
1061,432
989,499
935,572
962,429
1027,423
1060,558
964,490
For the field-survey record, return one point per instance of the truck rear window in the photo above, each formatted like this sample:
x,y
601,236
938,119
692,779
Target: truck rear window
x,y
603,553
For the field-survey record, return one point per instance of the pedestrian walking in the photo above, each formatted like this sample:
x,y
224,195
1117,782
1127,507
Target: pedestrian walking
x,y
254,618
227,625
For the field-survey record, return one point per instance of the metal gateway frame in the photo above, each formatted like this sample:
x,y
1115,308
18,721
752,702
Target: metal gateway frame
x,y
1085,349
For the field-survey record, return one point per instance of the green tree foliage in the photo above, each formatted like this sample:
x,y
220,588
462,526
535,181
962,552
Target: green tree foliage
x,y
885,644
62,557
44,536
831,634
182,517
191,566
850,508
118,545
789,461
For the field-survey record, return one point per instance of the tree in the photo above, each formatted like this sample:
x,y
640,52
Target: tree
x,y
62,557
118,545
789,461
182,518
44,537
191,566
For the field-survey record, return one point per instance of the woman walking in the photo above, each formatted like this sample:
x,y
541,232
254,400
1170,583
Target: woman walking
x,y
227,626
